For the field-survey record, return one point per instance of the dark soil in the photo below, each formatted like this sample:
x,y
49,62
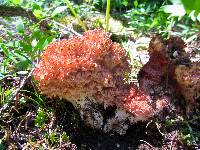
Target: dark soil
x,y
139,136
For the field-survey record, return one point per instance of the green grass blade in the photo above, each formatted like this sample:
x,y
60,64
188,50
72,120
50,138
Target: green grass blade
x,y
107,15
75,14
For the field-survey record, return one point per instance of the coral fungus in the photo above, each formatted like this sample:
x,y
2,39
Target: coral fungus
x,y
188,80
89,71
82,67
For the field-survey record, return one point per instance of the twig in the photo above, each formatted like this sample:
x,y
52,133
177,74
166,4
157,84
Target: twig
x,y
15,92
171,144
19,125
12,11
68,28
147,143
156,126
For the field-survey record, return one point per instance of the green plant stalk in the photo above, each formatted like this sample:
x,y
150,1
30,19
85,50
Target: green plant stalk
x,y
107,15
75,14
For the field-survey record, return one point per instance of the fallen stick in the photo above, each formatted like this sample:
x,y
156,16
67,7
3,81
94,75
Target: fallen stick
x,y
11,11
68,28
14,93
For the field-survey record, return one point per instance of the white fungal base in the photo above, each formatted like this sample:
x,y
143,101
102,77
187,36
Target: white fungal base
x,y
92,115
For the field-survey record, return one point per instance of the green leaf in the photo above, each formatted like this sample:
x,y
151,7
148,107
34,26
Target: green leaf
x,y
198,17
36,6
40,118
22,65
26,47
10,34
65,137
16,2
191,5
4,65
125,3
53,138
38,13
46,42
5,50
20,26
36,33
22,57
19,56
43,42
192,15
58,10
135,3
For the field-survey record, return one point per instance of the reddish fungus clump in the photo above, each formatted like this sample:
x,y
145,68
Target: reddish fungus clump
x,y
152,73
188,82
138,104
82,66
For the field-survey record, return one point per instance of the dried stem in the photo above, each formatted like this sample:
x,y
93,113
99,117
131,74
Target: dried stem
x,y
15,92
67,28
